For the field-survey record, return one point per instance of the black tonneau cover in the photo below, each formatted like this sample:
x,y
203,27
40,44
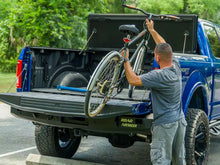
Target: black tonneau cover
x,y
108,37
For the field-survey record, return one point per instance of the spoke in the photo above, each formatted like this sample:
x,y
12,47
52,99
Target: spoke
x,y
200,144
198,154
200,136
199,157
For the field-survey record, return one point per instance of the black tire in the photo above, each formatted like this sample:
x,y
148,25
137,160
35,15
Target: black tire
x,y
52,141
101,85
197,140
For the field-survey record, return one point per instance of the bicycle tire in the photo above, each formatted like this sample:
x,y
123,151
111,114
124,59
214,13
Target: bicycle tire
x,y
137,68
101,84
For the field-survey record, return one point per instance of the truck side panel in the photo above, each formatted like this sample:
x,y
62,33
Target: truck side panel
x,y
196,73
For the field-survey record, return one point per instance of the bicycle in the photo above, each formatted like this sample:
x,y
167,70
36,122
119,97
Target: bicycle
x,y
109,76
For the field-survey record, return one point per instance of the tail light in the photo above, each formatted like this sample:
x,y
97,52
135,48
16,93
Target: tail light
x,y
19,72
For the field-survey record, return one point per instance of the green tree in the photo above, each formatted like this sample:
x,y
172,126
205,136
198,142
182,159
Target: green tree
x,y
115,6
49,23
162,6
53,23
156,6
7,53
209,10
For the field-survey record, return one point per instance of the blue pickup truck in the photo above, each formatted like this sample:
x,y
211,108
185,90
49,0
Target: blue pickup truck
x,y
58,115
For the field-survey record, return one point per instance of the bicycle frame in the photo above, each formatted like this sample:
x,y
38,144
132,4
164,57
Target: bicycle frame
x,y
142,43
121,71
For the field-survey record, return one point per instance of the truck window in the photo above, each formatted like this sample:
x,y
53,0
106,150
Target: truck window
x,y
213,40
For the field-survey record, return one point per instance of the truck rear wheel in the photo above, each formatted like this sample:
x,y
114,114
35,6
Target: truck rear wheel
x,y
197,138
52,141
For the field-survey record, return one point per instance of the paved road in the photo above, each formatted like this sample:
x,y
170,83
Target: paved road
x,y
17,141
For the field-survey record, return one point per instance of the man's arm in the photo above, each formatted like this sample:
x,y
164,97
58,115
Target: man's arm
x,y
132,78
156,36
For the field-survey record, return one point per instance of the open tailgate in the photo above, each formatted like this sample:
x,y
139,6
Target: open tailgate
x,y
58,103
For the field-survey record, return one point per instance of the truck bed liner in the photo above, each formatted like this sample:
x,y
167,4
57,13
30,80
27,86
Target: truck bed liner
x,y
66,103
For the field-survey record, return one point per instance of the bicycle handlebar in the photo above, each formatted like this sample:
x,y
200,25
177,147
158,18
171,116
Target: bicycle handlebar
x,y
150,15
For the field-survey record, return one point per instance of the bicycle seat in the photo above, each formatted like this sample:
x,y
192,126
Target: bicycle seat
x,y
129,29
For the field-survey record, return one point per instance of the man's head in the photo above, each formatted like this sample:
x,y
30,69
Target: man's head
x,y
163,53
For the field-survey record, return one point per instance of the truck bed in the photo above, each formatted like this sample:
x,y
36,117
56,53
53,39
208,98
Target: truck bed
x,y
68,103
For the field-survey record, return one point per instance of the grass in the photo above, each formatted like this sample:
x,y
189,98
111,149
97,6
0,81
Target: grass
x,y
6,80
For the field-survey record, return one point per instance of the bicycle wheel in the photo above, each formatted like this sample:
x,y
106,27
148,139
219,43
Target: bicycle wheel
x,y
137,68
102,84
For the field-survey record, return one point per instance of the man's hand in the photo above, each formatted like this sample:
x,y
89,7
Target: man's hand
x,y
132,78
150,25
127,53
157,38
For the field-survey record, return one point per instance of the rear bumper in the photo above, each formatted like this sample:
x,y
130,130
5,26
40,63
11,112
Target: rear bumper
x,y
124,124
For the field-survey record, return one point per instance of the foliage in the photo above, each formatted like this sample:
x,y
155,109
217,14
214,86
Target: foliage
x,y
115,6
162,6
47,23
7,53
209,10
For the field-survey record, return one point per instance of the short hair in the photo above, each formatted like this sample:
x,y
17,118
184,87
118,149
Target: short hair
x,y
164,50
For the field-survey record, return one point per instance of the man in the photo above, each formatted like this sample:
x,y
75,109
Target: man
x,y
166,87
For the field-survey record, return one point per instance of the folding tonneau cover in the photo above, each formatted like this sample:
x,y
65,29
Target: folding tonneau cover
x,y
108,36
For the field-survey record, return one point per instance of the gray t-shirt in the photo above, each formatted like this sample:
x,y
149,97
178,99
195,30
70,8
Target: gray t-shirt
x,y
166,90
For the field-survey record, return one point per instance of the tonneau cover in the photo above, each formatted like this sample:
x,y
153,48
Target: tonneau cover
x,y
108,36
